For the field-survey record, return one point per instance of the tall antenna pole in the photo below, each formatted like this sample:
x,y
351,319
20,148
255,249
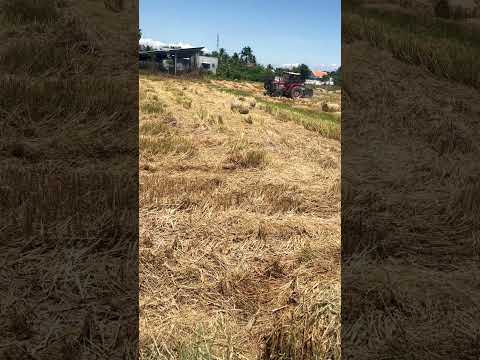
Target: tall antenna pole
x,y
218,43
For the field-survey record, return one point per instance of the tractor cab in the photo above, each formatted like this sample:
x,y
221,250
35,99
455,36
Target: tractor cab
x,y
291,77
288,78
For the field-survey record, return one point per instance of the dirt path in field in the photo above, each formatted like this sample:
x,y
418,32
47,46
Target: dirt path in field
x,y
240,225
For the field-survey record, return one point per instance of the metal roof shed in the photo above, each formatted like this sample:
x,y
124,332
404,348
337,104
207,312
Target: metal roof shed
x,y
166,53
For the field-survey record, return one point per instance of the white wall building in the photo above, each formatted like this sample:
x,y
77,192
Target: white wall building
x,y
207,63
318,82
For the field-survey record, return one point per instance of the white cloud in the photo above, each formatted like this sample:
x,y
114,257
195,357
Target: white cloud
x,y
158,44
326,67
182,45
289,66
153,43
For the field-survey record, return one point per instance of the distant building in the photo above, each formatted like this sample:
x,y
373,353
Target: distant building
x,y
318,78
207,63
319,74
178,60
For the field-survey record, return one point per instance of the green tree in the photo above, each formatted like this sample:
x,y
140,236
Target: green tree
x,y
223,56
304,71
337,76
140,47
235,58
247,57
241,66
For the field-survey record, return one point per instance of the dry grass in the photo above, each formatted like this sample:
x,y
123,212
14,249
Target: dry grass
x,y
409,239
152,146
22,11
445,48
68,169
310,331
306,112
240,239
247,159
242,156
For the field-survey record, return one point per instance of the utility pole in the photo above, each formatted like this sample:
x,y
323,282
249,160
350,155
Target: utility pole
x,y
218,43
175,63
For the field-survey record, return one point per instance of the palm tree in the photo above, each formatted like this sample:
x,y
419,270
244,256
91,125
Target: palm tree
x,y
246,56
235,57
222,55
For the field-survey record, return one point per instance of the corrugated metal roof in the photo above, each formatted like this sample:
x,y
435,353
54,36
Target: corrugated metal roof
x,y
174,51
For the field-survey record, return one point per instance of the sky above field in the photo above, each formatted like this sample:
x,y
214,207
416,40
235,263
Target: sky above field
x,y
280,32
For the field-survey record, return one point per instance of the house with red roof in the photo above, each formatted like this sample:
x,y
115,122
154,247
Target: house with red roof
x,y
317,78
319,74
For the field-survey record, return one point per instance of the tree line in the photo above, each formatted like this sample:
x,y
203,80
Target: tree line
x,y
243,66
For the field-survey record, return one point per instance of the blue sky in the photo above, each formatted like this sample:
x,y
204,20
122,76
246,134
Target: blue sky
x,y
279,31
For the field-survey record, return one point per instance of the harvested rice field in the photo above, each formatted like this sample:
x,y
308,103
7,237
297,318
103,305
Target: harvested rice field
x,y
239,222
410,244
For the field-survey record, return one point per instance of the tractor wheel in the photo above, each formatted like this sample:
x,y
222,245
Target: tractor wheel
x,y
277,93
296,93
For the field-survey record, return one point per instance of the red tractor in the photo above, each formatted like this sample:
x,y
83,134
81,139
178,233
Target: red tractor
x,y
289,84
